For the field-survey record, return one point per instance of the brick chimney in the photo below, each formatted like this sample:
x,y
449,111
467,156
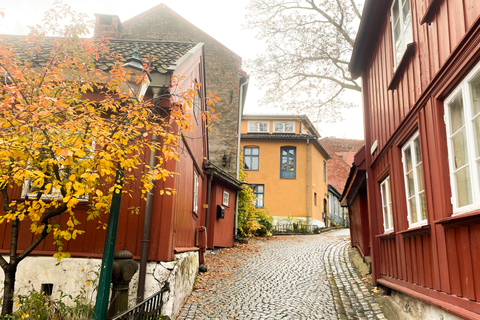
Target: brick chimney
x,y
108,26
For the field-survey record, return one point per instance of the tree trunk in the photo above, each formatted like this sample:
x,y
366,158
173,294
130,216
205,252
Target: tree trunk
x,y
8,288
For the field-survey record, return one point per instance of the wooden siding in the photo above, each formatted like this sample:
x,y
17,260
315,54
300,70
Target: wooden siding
x,y
220,231
435,43
359,230
444,254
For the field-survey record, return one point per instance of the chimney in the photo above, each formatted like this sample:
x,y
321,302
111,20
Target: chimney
x,y
107,26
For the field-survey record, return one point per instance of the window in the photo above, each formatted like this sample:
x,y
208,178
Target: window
x,y
462,117
284,127
386,205
195,192
50,187
226,198
287,162
250,158
415,190
258,126
258,193
401,20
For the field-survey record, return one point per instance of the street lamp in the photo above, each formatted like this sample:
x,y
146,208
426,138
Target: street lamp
x,y
134,86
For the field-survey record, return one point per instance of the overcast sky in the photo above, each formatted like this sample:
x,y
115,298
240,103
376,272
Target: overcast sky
x,y
221,19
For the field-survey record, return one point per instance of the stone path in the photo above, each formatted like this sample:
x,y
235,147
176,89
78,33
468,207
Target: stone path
x,y
292,277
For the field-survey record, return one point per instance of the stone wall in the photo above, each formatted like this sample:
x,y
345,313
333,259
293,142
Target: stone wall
x,y
222,69
72,275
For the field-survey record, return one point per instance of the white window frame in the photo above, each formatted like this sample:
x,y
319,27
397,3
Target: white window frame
x,y
226,198
406,32
387,207
283,123
255,126
55,194
466,93
195,191
417,195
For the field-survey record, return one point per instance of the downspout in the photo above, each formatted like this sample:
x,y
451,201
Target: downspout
x,y
240,112
308,187
209,191
147,220
146,233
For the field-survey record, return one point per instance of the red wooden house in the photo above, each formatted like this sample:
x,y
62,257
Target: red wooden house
x,y
419,61
175,219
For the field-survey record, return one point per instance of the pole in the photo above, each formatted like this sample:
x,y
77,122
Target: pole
x,y
103,292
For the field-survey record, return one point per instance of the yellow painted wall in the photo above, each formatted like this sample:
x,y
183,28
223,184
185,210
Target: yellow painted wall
x,y
288,196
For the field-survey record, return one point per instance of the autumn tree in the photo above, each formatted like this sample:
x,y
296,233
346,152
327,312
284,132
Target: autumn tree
x,y
308,48
65,128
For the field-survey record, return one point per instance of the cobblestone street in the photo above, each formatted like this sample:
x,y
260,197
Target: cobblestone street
x,y
290,277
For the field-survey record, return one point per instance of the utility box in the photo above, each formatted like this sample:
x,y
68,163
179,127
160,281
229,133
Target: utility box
x,y
220,212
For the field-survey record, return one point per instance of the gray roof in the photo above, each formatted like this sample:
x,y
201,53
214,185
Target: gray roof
x,y
165,53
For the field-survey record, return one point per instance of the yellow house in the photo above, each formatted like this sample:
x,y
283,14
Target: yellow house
x,y
286,167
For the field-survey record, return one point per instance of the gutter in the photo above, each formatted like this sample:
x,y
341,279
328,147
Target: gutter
x,y
308,186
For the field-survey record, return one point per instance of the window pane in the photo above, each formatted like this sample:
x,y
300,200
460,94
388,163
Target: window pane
x,y
418,153
397,37
284,152
291,152
288,127
254,163
413,210
475,86
464,187
420,178
255,151
460,149
411,184
423,207
476,136
248,151
384,194
291,164
284,164
278,127
385,218
406,13
456,113
408,159
395,11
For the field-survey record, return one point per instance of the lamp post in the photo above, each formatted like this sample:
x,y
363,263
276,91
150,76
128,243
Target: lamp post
x,y
136,89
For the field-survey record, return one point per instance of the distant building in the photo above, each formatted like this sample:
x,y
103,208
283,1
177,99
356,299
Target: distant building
x,y
342,153
286,167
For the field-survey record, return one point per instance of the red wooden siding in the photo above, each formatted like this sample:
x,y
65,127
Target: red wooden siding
x,y
444,255
220,231
358,215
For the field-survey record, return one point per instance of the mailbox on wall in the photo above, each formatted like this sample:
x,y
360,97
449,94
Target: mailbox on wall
x,y
220,212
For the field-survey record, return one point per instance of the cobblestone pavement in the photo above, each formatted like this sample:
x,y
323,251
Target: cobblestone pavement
x,y
291,277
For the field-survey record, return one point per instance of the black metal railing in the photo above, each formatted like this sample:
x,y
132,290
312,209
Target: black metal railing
x,y
295,228
148,309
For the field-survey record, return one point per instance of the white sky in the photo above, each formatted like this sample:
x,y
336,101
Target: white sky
x,y
221,19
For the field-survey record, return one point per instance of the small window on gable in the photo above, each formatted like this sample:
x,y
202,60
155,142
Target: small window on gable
x,y
386,205
401,19
258,126
462,117
284,127
226,198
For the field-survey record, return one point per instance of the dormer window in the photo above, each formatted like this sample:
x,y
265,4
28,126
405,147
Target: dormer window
x,y
284,127
258,126
401,19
